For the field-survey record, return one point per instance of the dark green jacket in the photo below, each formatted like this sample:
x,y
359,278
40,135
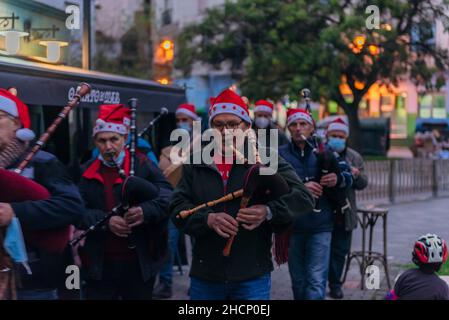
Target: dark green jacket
x,y
251,252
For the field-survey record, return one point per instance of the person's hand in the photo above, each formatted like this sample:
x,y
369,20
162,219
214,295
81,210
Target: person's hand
x,y
355,172
329,180
315,188
134,216
6,214
253,216
119,227
223,224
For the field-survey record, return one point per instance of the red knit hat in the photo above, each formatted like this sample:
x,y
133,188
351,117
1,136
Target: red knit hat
x,y
263,105
338,125
113,118
296,114
188,110
229,102
13,106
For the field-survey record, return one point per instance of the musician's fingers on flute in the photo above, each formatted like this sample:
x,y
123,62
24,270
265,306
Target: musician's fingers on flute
x,y
253,214
315,188
329,180
119,226
223,224
134,216
355,171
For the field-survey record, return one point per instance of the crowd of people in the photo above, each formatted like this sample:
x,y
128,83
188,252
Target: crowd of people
x,y
306,210
430,145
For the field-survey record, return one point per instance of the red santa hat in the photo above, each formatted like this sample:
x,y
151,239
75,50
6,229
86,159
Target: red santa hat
x,y
229,102
13,106
338,125
263,105
188,110
113,118
297,114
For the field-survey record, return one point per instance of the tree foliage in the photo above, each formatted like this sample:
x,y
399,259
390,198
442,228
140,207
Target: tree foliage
x,y
277,47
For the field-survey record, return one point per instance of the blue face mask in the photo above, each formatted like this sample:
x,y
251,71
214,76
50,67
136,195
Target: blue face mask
x,y
184,125
15,245
337,144
119,160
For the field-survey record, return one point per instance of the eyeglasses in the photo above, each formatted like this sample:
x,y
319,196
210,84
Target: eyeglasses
x,y
228,125
6,116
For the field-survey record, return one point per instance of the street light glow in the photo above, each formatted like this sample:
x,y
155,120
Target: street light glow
x,y
167,44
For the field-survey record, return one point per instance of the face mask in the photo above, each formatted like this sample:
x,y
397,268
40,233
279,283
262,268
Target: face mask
x,y
185,126
119,160
262,122
337,144
15,245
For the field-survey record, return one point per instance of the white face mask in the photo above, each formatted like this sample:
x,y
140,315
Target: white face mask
x,y
262,122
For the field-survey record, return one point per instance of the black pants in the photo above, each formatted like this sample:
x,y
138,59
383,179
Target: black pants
x,y
121,280
340,246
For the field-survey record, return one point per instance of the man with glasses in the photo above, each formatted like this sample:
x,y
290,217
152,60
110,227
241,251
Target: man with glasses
x,y
245,273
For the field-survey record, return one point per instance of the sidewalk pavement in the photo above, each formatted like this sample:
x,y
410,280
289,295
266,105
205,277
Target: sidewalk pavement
x,y
406,222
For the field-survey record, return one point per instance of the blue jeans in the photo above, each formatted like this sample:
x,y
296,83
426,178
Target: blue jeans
x,y
166,273
49,294
340,247
255,289
308,263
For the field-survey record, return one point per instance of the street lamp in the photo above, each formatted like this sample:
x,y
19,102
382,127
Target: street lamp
x,y
12,36
373,49
163,81
358,43
53,49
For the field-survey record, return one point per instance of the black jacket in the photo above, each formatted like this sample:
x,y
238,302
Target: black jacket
x,y
63,208
151,236
251,252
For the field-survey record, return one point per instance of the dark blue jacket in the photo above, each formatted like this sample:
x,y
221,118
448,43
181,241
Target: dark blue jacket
x,y
63,208
304,163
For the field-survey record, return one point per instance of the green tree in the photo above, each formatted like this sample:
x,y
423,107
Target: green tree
x,y
136,55
277,47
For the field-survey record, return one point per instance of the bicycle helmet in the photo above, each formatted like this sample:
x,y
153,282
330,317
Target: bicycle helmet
x,y
428,249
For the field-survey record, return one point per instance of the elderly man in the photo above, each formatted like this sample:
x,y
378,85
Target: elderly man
x,y
63,207
310,244
337,136
245,273
114,269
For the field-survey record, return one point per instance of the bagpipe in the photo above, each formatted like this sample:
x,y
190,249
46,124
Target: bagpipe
x,y
257,189
327,162
16,188
134,190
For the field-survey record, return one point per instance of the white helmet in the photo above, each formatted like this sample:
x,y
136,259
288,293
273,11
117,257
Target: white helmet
x,y
429,248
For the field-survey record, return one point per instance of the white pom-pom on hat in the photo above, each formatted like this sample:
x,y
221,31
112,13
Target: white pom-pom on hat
x,y
25,134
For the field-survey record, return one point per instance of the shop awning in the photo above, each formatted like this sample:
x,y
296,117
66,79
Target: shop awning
x,y
54,85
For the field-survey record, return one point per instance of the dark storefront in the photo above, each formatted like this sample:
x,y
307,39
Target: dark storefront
x,y
46,89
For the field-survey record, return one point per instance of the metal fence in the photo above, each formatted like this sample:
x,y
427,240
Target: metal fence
x,y
394,181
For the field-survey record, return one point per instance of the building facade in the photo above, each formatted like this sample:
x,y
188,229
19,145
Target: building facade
x,y
171,16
